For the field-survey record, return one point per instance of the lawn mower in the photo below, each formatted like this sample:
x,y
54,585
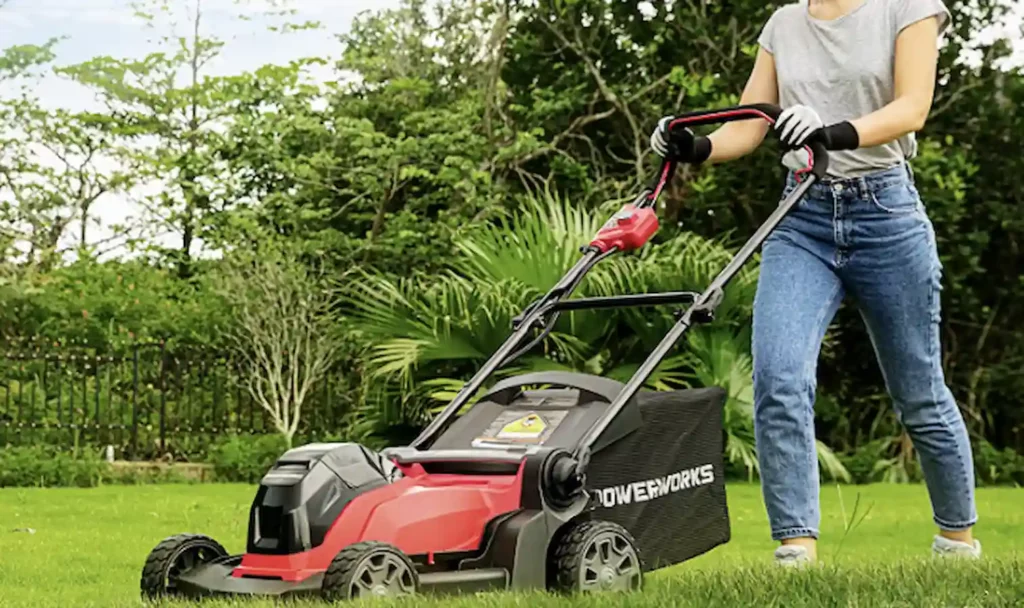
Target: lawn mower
x,y
548,480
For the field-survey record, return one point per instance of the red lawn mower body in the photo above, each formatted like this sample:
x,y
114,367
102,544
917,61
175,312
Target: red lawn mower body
x,y
424,515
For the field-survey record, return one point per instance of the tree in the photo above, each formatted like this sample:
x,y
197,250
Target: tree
x,y
383,164
285,333
16,64
169,113
52,165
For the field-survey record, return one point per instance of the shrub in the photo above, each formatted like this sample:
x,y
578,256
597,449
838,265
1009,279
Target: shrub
x,y
146,475
870,463
241,458
997,467
46,466
863,462
39,466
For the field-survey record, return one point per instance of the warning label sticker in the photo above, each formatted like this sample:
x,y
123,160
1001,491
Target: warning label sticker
x,y
528,427
518,428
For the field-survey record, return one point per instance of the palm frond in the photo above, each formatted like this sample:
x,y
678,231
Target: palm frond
x,y
830,463
673,373
721,357
534,247
740,449
690,262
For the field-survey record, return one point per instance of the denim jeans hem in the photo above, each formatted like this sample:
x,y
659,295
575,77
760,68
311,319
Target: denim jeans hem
x,y
794,533
960,527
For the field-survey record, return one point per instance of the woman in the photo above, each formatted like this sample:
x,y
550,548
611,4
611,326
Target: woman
x,y
860,73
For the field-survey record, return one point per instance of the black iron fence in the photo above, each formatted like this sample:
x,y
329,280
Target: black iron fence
x,y
146,400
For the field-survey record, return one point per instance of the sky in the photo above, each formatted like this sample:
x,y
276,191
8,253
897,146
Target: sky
x,y
108,27
91,28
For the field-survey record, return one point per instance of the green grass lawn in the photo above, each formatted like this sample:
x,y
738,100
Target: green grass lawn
x,y
89,546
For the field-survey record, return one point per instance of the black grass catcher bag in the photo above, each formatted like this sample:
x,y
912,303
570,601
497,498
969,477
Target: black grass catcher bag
x,y
664,482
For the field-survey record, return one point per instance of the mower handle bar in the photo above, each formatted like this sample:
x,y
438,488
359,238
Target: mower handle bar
x,y
766,111
702,305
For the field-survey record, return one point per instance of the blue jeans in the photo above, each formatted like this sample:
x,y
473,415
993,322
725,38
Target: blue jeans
x,y
868,238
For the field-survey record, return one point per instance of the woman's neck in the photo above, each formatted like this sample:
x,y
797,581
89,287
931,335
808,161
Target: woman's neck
x,y
827,10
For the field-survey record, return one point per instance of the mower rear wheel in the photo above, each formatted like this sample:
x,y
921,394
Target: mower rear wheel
x,y
595,556
369,569
173,556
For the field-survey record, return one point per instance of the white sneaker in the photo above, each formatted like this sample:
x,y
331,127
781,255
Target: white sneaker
x,y
944,547
792,556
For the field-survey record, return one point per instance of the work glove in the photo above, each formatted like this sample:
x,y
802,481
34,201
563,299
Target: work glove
x,y
796,160
796,124
679,144
799,124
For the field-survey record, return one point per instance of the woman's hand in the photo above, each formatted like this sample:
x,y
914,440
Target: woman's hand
x,y
679,144
799,124
796,124
796,160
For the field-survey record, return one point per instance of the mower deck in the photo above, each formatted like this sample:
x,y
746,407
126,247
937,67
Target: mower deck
x,y
216,579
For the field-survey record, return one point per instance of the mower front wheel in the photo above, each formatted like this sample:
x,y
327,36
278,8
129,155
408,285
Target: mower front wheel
x,y
172,557
595,556
369,569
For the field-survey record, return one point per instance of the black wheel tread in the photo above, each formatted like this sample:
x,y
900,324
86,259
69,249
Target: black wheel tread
x,y
152,581
343,567
569,547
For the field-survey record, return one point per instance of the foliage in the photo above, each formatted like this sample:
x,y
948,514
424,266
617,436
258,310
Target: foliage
x,y
24,60
892,460
997,467
151,475
393,166
45,466
246,459
109,304
42,466
406,165
284,331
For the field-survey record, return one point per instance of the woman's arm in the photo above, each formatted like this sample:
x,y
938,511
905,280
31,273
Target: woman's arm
x,y
915,66
737,139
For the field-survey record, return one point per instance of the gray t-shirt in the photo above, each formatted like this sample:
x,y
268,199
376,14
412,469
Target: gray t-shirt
x,y
843,68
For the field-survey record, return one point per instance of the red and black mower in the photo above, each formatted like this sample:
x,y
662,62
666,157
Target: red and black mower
x,y
550,480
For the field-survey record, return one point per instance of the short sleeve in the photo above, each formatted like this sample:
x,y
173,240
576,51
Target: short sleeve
x,y
767,37
909,12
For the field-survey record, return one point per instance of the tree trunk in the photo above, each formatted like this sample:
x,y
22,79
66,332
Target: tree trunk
x,y
84,229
